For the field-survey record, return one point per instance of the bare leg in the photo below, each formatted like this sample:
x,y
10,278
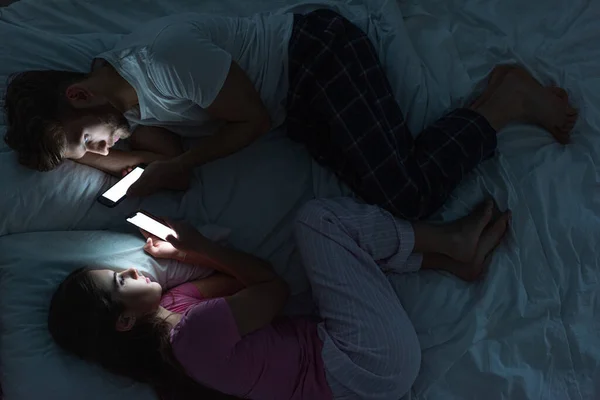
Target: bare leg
x,y
471,271
513,95
457,239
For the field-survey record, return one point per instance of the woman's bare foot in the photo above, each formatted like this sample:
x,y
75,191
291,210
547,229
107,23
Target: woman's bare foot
x,y
463,234
572,115
489,240
514,95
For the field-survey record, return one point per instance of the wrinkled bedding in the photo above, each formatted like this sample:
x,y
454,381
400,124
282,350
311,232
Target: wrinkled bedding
x,y
528,331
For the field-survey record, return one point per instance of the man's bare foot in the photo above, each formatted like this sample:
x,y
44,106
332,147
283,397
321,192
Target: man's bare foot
x,y
463,234
514,95
489,240
494,80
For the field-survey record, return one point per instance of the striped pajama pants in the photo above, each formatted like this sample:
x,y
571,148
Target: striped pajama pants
x,y
370,348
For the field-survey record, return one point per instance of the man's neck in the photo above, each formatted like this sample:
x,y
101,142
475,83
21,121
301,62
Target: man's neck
x,y
107,82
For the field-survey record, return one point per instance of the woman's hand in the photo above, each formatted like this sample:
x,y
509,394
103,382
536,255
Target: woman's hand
x,y
187,239
158,248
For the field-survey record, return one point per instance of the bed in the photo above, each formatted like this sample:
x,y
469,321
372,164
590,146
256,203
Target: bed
x,y
528,331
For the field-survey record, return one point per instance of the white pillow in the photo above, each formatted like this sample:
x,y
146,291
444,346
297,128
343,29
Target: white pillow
x,y
57,200
65,199
33,264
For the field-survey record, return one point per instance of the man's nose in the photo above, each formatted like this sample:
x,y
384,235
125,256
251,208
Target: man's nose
x,y
100,147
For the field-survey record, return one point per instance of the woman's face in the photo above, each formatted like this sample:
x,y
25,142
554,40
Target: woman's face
x,y
140,295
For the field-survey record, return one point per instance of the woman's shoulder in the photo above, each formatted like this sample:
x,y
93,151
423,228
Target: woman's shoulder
x,y
188,289
180,298
208,323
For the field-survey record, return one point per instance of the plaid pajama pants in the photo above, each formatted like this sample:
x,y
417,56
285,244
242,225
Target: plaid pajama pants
x,y
341,106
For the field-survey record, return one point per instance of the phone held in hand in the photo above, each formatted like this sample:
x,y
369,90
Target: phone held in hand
x,y
151,224
118,191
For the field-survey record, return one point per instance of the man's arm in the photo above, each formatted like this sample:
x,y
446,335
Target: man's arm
x,y
155,139
240,106
117,160
148,143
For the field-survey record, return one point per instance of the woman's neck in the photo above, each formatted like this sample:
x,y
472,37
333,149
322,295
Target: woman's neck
x,y
170,317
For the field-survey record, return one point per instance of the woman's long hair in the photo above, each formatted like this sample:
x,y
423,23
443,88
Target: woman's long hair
x,y
82,320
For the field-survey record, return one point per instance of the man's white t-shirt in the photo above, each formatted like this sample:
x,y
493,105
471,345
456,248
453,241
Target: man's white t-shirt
x,y
178,64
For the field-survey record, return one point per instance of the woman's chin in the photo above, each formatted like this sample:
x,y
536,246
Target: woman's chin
x,y
156,286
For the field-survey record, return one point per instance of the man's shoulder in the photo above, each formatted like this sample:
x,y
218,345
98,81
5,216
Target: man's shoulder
x,y
149,33
180,35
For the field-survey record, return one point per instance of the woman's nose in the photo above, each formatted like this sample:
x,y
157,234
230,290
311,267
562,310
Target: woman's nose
x,y
132,273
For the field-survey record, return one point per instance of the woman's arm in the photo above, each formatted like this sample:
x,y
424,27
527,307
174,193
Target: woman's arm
x,y
263,293
247,269
218,285
255,307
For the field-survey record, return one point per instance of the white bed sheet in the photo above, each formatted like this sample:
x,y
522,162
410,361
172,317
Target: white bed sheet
x,y
529,330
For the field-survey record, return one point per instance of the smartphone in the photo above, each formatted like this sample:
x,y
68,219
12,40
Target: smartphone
x,y
151,224
117,192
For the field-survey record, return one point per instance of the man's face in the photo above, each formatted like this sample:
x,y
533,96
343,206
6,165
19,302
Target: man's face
x,y
95,132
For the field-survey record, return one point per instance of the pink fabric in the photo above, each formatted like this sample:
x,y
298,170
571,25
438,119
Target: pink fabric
x,y
281,361
181,297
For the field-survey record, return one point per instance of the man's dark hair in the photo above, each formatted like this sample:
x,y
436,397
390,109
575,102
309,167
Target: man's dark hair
x,y
35,106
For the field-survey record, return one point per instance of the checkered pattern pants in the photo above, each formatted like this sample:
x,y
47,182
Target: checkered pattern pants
x,y
341,106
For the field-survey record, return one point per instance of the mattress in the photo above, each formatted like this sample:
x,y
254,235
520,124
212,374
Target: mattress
x,y
528,331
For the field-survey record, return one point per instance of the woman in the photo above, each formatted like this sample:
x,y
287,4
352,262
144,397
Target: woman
x,y
223,332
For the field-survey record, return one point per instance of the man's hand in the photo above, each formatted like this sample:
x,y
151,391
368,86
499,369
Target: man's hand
x,y
125,171
165,174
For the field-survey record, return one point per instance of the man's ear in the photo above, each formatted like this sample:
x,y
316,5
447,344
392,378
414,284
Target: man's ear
x,y
79,96
125,322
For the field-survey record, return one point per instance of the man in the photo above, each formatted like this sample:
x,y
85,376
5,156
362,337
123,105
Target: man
x,y
240,77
